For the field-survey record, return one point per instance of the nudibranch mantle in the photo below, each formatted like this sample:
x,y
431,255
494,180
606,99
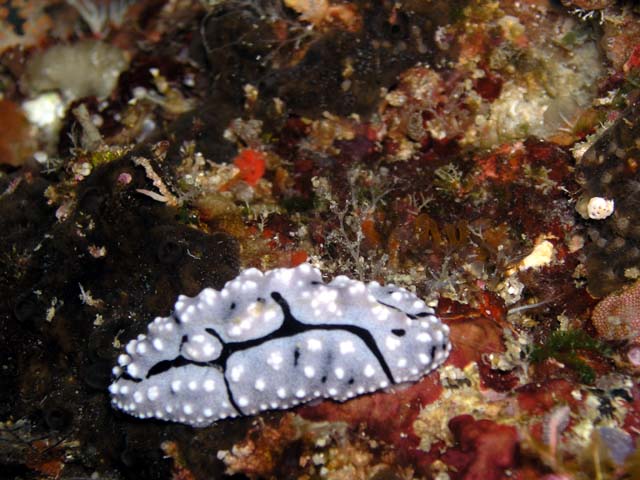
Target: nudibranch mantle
x,y
274,340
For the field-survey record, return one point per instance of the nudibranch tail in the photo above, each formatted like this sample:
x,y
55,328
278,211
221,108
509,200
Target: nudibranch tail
x,y
275,340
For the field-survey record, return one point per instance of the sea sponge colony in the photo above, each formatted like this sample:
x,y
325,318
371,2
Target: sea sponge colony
x,y
77,70
274,340
609,174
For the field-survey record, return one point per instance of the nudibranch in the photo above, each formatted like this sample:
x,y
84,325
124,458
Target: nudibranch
x,y
274,340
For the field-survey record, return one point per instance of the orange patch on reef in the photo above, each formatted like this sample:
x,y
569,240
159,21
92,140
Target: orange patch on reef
x,y
472,338
298,257
540,397
475,331
502,165
371,235
45,458
252,165
180,469
15,142
634,60
289,258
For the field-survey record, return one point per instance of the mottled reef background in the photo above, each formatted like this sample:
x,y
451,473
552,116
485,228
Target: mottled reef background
x,y
485,154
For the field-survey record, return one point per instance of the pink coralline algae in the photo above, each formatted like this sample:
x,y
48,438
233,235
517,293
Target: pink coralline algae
x,y
484,448
634,356
617,317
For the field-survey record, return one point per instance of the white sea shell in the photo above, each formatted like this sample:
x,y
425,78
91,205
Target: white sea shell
x,y
599,208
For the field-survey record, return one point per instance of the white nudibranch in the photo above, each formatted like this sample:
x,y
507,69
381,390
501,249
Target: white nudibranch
x,y
274,340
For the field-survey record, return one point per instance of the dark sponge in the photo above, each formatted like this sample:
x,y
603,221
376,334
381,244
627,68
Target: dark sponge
x,y
609,169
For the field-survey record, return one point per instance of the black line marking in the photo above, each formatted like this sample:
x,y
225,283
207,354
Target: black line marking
x,y
180,361
230,396
177,362
296,356
399,332
232,306
215,334
433,352
391,307
323,379
351,380
126,376
412,316
398,309
183,340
